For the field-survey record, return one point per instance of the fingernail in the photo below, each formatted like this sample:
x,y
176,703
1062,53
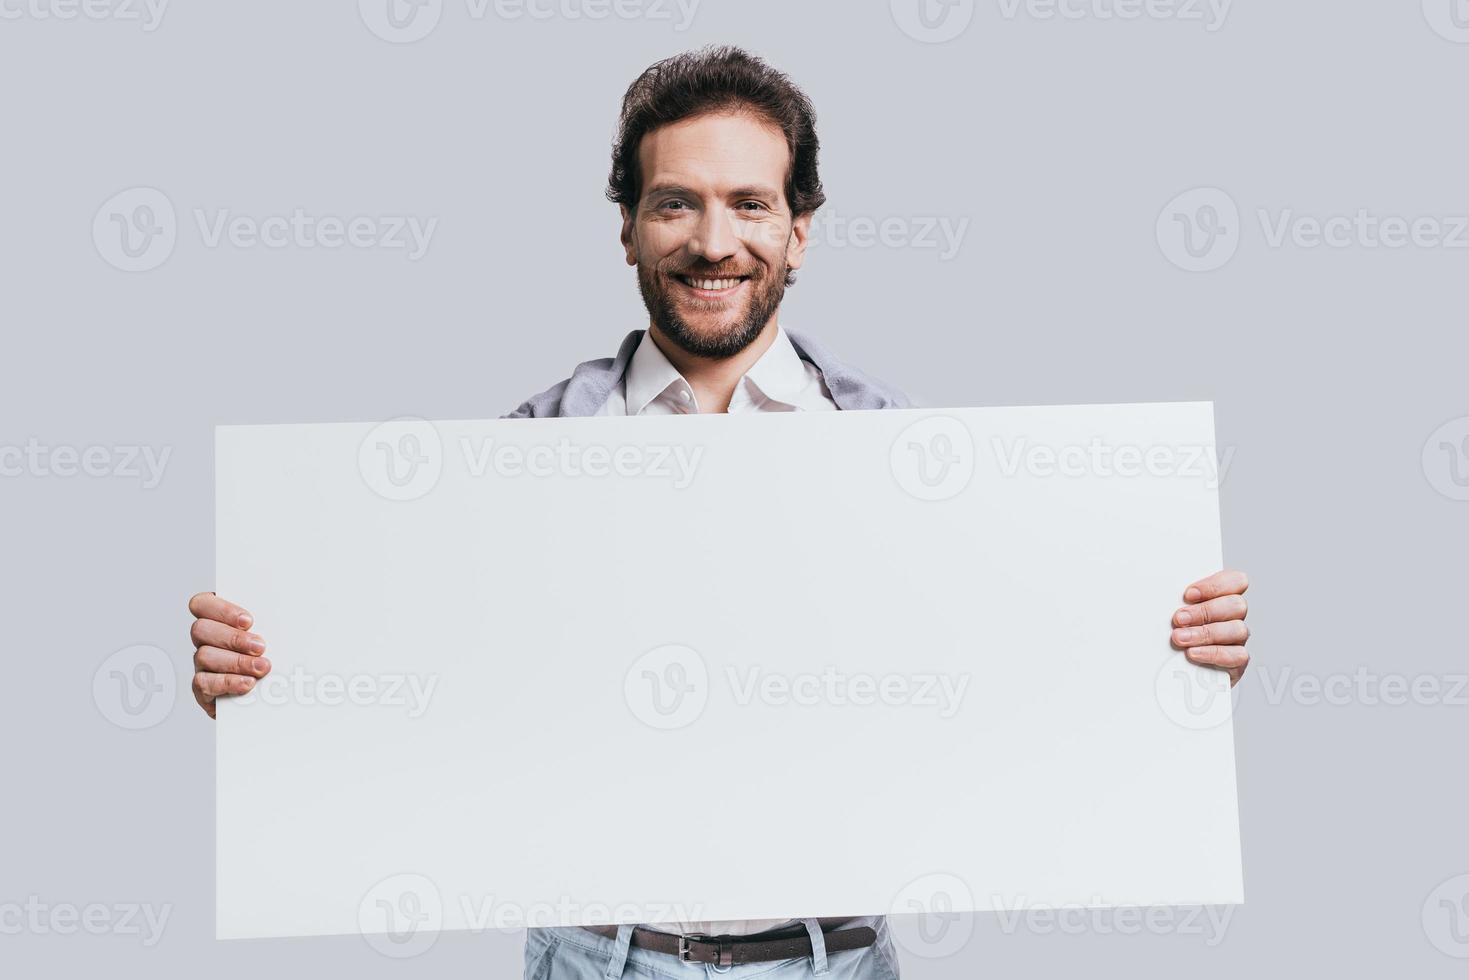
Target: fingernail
x,y
244,621
1187,636
1193,594
1185,618
255,643
261,665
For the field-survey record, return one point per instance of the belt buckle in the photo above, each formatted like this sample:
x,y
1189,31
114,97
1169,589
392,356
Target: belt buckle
x,y
683,945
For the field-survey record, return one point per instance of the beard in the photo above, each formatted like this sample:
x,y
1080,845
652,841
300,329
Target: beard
x,y
735,330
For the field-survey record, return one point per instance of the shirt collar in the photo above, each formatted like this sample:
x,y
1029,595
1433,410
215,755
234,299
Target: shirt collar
x,y
779,374
649,374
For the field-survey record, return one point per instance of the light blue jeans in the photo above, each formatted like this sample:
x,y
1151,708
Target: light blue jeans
x,y
577,954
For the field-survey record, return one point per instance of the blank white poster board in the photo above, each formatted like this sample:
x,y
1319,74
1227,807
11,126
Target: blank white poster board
x,y
576,671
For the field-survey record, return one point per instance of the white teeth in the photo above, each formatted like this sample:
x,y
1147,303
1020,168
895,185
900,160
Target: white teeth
x,y
713,284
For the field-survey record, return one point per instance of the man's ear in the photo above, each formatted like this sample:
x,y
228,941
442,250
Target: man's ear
x,y
800,235
629,243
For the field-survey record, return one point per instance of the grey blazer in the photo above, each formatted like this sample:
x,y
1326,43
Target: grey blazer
x,y
591,384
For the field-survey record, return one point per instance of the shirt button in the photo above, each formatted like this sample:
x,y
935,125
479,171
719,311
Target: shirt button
x,y
684,395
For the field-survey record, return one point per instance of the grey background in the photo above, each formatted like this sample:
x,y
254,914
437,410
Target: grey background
x,y
1060,141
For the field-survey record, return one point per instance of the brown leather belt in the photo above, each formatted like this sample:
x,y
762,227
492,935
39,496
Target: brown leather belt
x,y
762,947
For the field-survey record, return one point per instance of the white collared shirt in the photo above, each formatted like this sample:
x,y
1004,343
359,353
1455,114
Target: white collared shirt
x,y
780,381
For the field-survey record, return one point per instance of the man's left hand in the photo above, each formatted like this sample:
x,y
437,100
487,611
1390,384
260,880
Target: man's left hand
x,y
1211,628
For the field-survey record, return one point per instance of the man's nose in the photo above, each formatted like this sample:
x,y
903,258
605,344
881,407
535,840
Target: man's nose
x,y
714,239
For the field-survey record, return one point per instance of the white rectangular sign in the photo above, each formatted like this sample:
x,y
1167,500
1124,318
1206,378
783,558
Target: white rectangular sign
x,y
573,671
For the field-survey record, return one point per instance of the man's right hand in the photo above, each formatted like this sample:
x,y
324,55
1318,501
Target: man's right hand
x,y
227,657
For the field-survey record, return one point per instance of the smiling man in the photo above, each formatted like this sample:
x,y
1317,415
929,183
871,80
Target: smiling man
x,y
715,172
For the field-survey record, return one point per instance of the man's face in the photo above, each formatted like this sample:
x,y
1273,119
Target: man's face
x,y
713,235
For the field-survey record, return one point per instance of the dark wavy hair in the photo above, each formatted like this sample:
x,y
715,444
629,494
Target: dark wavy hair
x,y
716,79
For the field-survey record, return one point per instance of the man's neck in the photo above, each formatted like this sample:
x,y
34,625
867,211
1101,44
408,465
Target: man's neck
x,y
714,378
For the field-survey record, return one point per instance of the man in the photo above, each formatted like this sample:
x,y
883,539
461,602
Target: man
x,y
714,170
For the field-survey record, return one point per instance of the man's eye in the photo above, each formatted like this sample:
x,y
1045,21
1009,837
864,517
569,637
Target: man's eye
x,y
751,205
674,205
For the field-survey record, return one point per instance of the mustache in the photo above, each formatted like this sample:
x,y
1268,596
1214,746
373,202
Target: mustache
x,y
696,272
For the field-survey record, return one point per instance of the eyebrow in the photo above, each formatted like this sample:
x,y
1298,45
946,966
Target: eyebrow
x,y
757,191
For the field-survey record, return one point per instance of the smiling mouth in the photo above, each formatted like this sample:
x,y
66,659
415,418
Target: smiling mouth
x,y
712,288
